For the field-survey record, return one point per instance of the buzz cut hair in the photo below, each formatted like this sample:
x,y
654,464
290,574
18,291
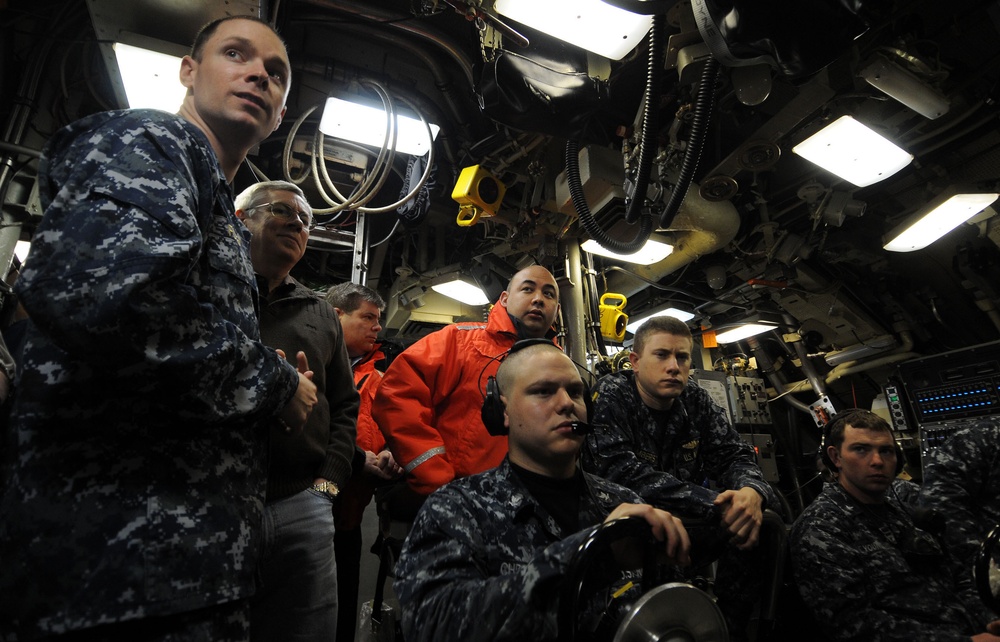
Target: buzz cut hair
x,y
856,418
198,46
510,366
658,325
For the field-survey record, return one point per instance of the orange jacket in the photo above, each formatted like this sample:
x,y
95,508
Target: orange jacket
x,y
360,487
428,406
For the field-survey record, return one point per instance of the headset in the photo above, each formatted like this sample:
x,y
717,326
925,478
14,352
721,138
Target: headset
x,y
844,416
493,407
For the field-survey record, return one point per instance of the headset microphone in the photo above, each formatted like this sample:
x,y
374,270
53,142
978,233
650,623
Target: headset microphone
x,y
581,428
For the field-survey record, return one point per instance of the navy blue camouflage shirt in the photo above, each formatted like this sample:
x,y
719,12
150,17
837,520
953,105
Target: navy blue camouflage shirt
x,y
669,467
961,479
862,582
138,431
484,561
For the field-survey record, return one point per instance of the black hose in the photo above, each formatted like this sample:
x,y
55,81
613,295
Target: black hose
x,y
704,105
647,150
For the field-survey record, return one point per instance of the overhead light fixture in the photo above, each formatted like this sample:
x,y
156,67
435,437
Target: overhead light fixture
x,y
151,78
21,249
462,291
590,24
896,82
652,252
944,213
742,332
853,152
751,325
636,322
362,121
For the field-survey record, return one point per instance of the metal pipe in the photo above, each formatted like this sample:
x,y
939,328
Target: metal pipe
x,y
574,310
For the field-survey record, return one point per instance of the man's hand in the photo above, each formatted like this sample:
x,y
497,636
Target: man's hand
x,y
296,412
381,465
741,515
665,527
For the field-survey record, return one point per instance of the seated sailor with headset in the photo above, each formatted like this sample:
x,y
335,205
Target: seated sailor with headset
x,y
486,552
862,566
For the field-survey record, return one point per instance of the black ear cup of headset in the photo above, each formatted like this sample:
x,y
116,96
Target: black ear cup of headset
x,y
845,417
493,408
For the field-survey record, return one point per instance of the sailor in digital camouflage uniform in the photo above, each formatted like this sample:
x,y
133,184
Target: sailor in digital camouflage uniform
x,y
862,567
664,437
961,479
486,554
139,427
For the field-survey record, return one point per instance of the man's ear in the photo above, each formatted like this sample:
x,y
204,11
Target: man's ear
x,y
242,215
633,358
834,455
188,70
503,299
506,417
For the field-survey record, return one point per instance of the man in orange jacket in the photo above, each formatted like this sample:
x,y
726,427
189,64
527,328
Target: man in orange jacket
x,y
359,309
428,406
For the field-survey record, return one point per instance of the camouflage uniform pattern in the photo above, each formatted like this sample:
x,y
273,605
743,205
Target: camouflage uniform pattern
x,y
483,560
962,481
669,468
849,564
138,429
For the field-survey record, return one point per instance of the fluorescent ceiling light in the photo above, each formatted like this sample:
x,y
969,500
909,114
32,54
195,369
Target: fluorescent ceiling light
x,y
937,218
21,250
462,291
742,332
366,124
151,79
591,24
897,82
651,252
636,322
853,152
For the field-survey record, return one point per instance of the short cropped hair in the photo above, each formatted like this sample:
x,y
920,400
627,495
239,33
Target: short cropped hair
x,y
257,193
198,46
657,325
857,418
509,367
348,297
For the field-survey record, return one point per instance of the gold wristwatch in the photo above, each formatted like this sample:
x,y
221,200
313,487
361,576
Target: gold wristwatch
x,y
327,487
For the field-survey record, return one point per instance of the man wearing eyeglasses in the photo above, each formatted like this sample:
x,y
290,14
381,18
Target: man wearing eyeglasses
x,y
297,599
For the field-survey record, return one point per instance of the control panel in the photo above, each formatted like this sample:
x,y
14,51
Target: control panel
x,y
743,398
947,392
748,397
763,447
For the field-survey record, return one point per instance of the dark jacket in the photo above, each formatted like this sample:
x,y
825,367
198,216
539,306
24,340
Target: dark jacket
x,y
294,318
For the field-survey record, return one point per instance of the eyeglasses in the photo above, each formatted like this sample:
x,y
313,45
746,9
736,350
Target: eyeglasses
x,y
286,212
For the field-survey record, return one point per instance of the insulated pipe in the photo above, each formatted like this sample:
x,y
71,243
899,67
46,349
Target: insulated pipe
x,y
574,309
701,227
817,383
766,365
